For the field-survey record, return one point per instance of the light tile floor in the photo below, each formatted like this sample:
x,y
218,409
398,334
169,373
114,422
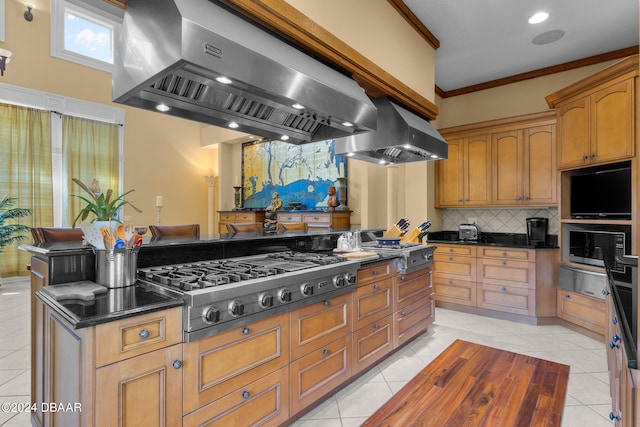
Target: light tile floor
x,y
587,404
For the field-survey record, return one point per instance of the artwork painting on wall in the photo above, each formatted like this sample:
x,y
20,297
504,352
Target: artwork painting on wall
x,y
299,173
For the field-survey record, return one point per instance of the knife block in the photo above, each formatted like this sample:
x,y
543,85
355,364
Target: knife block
x,y
411,237
393,232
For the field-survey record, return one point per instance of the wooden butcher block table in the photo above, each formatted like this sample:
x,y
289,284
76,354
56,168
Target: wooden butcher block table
x,y
474,385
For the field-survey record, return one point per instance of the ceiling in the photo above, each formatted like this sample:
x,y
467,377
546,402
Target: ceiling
x,y
482,41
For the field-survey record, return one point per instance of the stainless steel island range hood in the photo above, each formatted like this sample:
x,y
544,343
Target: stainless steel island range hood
x,y
402,137
199,61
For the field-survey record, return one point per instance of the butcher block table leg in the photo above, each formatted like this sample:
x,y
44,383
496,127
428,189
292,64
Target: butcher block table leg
x,y
474,385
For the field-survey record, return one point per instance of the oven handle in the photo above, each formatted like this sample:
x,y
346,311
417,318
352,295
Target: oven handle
x,y
578,270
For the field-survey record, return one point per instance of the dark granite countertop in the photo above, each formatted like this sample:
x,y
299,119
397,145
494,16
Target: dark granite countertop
x,y
511,240
113,305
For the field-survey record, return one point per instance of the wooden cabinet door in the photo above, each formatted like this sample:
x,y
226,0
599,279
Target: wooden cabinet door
x,y
409,288
573,130
142,391
454,291
583,310
371,302
612,124
509,299
450,175
539,171
506,151
217,365
372,342
477,171
413,320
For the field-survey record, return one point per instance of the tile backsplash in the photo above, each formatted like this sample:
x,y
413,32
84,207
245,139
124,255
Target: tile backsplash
x,y
499,220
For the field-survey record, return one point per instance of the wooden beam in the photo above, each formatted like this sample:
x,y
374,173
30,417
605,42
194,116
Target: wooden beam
x,y
291,24
415,23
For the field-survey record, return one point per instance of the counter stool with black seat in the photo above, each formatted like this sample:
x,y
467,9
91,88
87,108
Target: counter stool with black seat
x,y
302,226
248,227
167,231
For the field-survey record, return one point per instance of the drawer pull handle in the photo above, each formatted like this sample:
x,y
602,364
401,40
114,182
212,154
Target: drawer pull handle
x,y
375,326
316,218
450,249
325,351
503,289
376,287
504,253
450,281
504,262
325,303
246,394
245,331
177,364
612,345
374,273
614,320
450,258
144,334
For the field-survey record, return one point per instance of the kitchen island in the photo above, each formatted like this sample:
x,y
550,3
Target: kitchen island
x,y
140,368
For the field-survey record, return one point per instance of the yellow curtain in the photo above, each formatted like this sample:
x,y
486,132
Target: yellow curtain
x,y
25,173
89,151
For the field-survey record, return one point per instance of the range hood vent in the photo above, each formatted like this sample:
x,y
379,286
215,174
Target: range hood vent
x,y
176,52
402,137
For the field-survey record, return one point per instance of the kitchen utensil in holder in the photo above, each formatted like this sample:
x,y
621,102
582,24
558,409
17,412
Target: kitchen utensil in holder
x,y
116,268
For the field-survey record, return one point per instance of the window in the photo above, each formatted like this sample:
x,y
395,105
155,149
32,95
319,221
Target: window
x,y
83,34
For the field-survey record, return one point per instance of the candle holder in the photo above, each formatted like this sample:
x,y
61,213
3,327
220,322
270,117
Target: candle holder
x,y
342,194
237,198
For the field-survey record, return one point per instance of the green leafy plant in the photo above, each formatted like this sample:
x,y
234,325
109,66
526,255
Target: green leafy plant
x,y
101,205
11,233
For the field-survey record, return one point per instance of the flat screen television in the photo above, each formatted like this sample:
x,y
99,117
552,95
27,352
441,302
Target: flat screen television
x,y
601,194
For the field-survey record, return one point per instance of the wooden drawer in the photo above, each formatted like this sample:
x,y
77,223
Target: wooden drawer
x,y
227,217
217,365
408,288
319,324
372,342
319,372
583,310
376,271
289,217
455,250
455,291
245,217
372,302
506,298
508,253
317,219
454,267
264,402
134,336
507,272
413,320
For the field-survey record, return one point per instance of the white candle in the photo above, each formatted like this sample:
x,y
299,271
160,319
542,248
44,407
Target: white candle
x,y
159,201
236,181
341,167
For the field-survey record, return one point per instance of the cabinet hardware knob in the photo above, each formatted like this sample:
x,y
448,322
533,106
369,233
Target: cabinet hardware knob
x,y
526,197
612,345
402,313
585,157
375,326
605,292
593,155
451,281
374,273
615,338
246,394
450,258
504,262
567,296
245,331
376,287
614,320
518,198
504,253
613,416
325,351
177,364
325,303
503,289
144,334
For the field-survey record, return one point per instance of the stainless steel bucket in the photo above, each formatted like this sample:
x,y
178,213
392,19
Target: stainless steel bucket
x,y
116,268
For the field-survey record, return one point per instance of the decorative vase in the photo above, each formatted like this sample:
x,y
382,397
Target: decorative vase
x,y
342,194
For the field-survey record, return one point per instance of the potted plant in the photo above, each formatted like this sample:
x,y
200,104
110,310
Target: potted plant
x,y
11,233
101,205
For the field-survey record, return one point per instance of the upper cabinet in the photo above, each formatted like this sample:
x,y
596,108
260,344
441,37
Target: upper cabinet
x,y
506,162
596,117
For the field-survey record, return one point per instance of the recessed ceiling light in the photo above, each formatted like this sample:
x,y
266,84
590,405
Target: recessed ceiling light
x,y
351,154
434,156
407,146
548,37
224,80
284,137
298,106
382,162
347,124
233,125
163,107
538,18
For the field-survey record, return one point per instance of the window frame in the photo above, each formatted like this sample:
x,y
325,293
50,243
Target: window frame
x,y
58,9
